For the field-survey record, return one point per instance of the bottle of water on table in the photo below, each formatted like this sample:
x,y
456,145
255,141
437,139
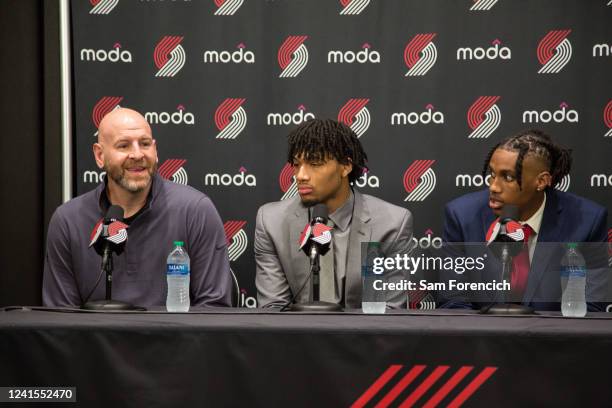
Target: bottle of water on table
x,y
573,282
372,301
177,273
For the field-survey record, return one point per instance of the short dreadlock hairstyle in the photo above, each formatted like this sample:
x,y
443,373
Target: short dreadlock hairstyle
x,y
325,139
537,143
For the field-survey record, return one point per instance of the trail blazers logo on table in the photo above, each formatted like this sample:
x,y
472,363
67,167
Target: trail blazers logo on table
x,y
419,180
483,117
420,54
102,107
458,385
169,56
287,183
353,7
607,117
355,115
102,6
236,238
554,51
230,118
172,169
227,7
482,5
293,56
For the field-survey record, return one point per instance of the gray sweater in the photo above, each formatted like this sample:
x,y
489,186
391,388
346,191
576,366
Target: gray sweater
x,y
173,213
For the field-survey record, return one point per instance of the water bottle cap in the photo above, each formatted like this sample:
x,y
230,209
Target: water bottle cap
x,y
178,243
572,245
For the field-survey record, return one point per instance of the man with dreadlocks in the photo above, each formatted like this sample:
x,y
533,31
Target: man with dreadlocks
x,y
327,158
523,171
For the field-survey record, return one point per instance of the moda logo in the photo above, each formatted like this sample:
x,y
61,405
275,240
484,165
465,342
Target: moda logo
x,y
477,180
93,177
427,241
601,180
483,117
563,114
286,181
413,118
420,54
180,117
602,50
349,57
367,180
419,180
169,56
482,5
607,117
495,51
292,56
353,7
554,51
283,119
467,378
239,180
230,118
102,6
239,56
236,238
115,54
105,105
227,7
173,170
355,115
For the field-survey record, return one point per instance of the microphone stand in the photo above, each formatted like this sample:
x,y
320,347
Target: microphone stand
x,y
316,305
108,303
504,308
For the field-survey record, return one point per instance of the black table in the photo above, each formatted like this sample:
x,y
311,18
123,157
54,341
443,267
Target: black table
x,y
236,357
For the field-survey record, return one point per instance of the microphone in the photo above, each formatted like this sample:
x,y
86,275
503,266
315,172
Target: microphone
x,y
110,233
317,233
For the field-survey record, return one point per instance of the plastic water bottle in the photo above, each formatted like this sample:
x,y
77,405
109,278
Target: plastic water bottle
x,y
177,273
573,282
372,301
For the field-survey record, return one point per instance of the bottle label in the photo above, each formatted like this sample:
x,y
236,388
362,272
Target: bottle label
x,y
573,271
177,269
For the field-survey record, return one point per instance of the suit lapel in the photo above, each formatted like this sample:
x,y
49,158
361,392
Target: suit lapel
x,y
300,265
361,231
550,231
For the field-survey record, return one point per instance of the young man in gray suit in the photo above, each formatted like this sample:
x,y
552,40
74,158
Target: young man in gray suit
x,y
327,158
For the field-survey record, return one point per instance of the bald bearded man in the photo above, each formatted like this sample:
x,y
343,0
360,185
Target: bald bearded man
x,y
158,213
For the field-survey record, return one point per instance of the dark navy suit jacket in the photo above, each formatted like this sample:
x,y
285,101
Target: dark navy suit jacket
x,y
567,218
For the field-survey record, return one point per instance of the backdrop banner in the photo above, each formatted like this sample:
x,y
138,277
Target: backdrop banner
x,y
428,86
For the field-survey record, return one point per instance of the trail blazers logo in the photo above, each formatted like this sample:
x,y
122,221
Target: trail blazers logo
x,y
293,56
227,7
554,51
169,56
453,385
353,7
102,6
287,183
564,183
236,238
355,115
103,107
230,118
607,117
483,117
420,54
172,169
482,5
419,180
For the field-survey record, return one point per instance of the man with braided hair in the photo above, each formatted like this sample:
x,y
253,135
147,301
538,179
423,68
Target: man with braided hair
x,y
327,158
523,171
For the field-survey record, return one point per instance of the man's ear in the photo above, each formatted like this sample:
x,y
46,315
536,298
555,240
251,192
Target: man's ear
x,y
543,181
98,155
347,168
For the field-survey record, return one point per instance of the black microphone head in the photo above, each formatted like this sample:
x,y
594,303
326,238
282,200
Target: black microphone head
x,y
509,212
115,212
320,213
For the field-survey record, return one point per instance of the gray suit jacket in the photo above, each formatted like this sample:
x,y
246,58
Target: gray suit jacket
x,y
282,267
